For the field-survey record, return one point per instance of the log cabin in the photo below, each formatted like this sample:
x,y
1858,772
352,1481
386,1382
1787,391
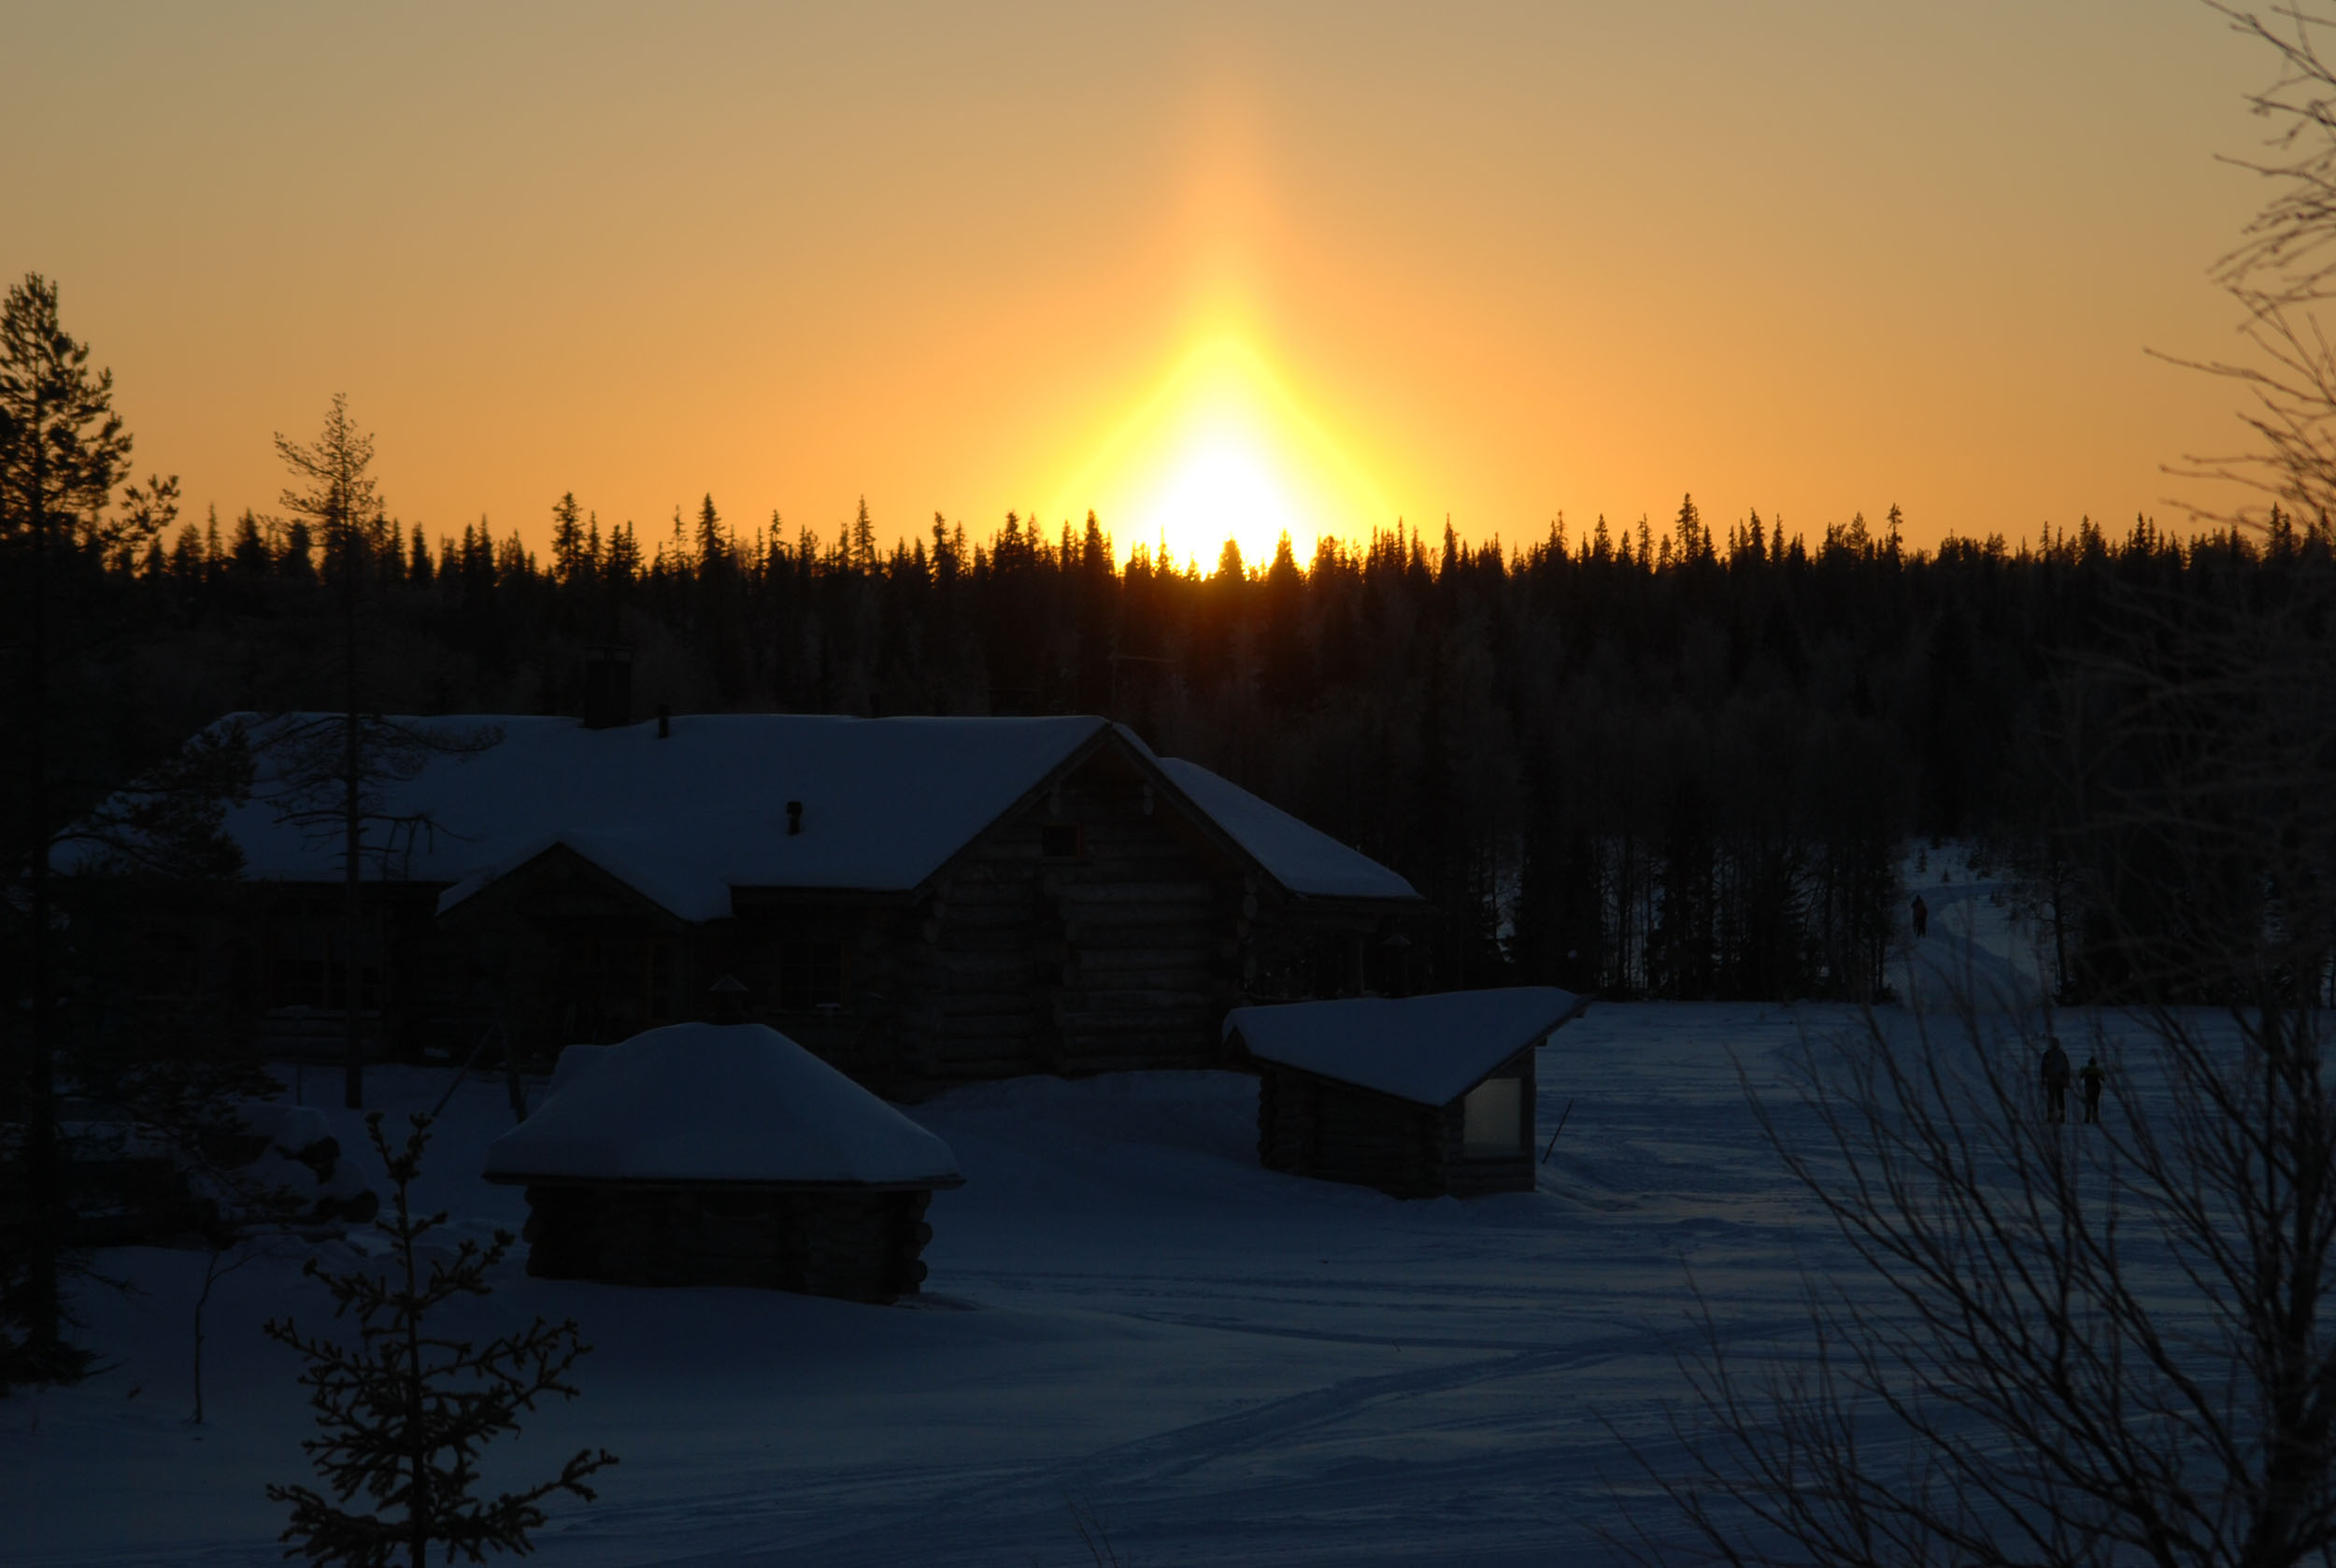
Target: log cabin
x,y
722,1154
1419,1097
920,901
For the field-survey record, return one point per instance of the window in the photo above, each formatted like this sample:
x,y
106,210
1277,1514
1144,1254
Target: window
x,y
1493,1116
311,969
810,975
1059,841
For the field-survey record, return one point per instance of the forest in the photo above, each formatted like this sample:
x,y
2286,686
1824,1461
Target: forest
x,y
1679,762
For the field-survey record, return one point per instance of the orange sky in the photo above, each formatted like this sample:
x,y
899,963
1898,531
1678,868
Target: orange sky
x,y
1314,265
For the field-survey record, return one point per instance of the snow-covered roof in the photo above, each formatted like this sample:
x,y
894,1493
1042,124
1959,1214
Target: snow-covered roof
x,y
1304,859
1429,1049
685,818
715,1102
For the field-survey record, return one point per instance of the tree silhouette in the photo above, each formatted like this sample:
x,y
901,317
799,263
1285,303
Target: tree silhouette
x,y
62,451
404,1410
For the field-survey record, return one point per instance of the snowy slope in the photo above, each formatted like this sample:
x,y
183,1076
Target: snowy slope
x,y
1978,951
1221,1365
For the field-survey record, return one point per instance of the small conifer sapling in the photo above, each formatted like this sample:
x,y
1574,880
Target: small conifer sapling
x,y
404,1411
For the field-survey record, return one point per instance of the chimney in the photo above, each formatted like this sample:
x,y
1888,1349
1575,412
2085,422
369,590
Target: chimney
x,y
607,685
795,818
664,720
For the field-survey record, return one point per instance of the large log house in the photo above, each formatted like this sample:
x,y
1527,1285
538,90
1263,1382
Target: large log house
x,y
921,901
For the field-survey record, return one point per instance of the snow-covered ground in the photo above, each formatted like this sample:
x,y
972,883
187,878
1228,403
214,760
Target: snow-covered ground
x,y
1127,1320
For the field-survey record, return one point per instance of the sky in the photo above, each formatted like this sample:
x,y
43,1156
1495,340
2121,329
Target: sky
x,y
1207,270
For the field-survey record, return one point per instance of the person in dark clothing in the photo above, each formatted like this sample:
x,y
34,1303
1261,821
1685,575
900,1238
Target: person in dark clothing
x,y
1922,918
2056,1082
2089,1077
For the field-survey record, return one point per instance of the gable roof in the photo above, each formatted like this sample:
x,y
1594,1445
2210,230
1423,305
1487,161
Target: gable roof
x,y
683,820
1302,859
715,1102
1428,1050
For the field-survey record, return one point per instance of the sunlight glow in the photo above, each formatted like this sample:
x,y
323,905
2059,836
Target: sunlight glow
x,y
1222,451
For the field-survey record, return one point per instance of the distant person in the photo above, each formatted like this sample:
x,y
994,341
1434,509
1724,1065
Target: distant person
x,y
2089,1077
1922,918
2056,1082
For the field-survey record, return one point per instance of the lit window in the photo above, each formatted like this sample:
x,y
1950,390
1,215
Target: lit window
x,y
1493,1116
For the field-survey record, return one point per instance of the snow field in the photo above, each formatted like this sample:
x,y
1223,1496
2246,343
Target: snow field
x,y
1126,1315
1220,1363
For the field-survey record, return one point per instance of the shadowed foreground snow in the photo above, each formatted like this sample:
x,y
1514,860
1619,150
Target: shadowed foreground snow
x,y
1125,1315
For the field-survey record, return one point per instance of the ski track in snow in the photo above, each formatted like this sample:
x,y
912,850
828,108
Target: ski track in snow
x,y
1128,1317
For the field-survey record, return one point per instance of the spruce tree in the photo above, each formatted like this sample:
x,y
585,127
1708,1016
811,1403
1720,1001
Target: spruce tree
x,y
335,490
567,537
713,541
863,543
405,1410
63,450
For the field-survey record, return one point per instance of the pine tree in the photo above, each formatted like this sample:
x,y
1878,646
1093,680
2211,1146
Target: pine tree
x,y
863,541
624,554
405,1412
333,488
297,562
63,450
713,541
567,537
250,556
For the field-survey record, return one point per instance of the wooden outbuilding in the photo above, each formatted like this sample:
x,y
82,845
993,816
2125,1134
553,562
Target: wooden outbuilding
x,y
1419,1097
722,1154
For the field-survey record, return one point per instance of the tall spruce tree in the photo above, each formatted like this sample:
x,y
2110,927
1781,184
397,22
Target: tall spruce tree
x,y
63,450
567,539
334,489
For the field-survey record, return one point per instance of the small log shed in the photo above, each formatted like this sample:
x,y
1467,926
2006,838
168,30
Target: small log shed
x,y
1419,1097
722,1154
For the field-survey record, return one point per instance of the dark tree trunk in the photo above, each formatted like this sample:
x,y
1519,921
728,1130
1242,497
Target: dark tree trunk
x,y
43,1174
353,1084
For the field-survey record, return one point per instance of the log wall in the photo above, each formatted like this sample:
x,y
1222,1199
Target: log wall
x,y
851,1243
1123,954
1313,1126
1096,928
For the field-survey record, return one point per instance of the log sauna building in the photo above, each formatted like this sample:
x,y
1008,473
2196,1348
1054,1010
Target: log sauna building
x,y
920,901
1418,1097
722,1154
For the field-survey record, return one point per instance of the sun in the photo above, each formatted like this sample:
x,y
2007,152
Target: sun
x,y
1222,451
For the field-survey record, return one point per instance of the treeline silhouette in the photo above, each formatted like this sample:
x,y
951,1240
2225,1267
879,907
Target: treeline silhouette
x,y
1643,762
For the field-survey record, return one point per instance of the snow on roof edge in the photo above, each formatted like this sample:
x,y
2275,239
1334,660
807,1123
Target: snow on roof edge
x,y
1294,852
1428,1049
705,905
704,1103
